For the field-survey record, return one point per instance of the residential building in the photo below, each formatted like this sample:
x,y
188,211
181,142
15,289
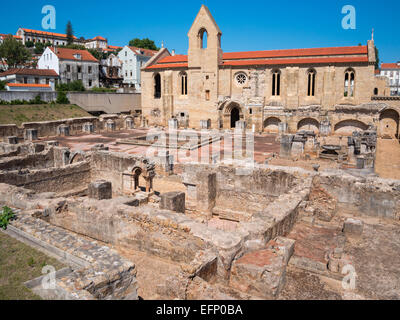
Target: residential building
x,y
56,39
111,71
3,36
133,59
71,65
30,76
392,72
266,90
98,42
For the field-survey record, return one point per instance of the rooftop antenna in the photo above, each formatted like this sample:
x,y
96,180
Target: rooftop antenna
x,y
162,44
372,37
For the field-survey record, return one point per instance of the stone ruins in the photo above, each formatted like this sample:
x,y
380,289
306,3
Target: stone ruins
x,y
215,231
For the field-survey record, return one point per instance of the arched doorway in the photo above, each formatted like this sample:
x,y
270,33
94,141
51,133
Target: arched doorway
x,y
136,176
235,116
389,124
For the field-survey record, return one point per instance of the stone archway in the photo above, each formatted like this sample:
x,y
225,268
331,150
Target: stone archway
x,y
138,178
77,157
308,124
271,125
347,127
232,112
389,124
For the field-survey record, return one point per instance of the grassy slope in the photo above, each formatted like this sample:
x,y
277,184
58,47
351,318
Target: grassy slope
x,y
18,264
32,113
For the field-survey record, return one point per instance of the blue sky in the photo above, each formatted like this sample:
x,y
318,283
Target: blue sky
x,y
246,25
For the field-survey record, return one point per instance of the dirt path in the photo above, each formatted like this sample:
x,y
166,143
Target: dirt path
x,y
388,159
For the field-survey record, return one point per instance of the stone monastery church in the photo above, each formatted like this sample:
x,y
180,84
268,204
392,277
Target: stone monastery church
x,y
327,90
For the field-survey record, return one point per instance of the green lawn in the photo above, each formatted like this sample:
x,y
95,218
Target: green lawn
x,y
43,112
18,264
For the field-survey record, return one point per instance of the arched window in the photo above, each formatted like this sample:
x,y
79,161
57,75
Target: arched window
x,y
157,86
311,83
203,38
349,79
183,81
276,83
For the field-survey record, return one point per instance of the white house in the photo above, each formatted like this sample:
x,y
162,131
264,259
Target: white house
x,y
97,43
133,59
392,72
71,65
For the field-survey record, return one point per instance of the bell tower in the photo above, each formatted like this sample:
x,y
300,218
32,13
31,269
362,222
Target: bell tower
x,y
205,42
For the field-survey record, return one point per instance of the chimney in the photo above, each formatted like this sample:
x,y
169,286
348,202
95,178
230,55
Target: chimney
x,y
173,52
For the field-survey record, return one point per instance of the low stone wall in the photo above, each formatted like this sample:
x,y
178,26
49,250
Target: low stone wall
x,y
51,179
369,196
41,160
233,192
28,95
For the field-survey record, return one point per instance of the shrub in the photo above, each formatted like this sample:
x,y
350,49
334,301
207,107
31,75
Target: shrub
x,y
62,98
5,217
3,85
37,100
72,86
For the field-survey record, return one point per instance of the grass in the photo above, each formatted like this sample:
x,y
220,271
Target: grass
x,y
18,264
19,114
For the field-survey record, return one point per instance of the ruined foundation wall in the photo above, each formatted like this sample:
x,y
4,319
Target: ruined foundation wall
x,y
50,180
40,160
250,192
369,196
110,166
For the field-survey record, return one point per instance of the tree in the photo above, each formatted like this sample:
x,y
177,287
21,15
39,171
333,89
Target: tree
x,y
29,44
144,44
97,54
14,52
377,63
73,46
70,33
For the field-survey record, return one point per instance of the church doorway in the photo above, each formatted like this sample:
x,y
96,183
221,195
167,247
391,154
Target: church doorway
x,y
235,116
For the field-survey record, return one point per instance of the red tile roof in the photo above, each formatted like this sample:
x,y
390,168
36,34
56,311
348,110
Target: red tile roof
x,y
68,54
390,66
278,57
296,53
45,33
295,61
114,47
99,38
31,85
30,72
146,52
168,66
3,35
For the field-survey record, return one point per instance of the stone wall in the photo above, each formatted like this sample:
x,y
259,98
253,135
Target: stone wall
x,y
234,194
369,196
50,179
106,102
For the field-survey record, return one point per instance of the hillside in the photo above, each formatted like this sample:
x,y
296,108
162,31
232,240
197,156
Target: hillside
x,y
18,114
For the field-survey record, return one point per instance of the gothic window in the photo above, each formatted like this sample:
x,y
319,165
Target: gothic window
x,y
276,83
183,82
241,79
157,86
311,83
349,79
203,38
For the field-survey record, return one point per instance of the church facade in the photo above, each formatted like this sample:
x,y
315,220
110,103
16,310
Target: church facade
x,y
326,90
